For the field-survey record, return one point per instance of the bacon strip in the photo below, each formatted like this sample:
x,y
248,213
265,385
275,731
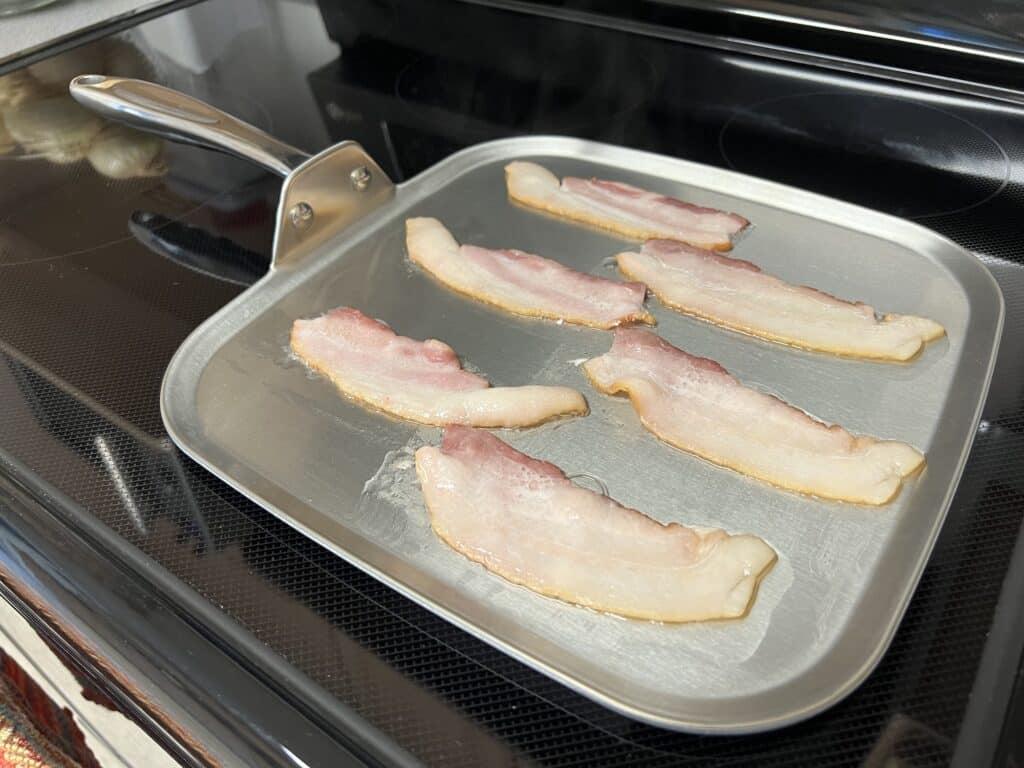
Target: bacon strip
x,y
738,295
622,208
694,404
523,283
526,521
418,380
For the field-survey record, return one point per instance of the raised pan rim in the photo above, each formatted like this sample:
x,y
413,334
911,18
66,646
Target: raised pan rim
x,y
180,372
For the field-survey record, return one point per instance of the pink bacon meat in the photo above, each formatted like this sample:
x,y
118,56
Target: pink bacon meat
x,y
421,381
524,520
736,294
523,283
627,210
694,404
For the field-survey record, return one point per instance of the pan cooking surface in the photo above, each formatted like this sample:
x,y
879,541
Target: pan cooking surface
x,y
344,475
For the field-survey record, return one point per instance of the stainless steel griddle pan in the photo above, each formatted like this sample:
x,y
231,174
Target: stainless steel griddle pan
x,y
235,401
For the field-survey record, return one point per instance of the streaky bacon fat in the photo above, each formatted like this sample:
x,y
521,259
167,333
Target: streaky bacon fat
x,y
694,404
524,283
421,381
736,294
621,208
526,521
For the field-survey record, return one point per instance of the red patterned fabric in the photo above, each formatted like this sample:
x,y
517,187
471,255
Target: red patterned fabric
x,y
34,731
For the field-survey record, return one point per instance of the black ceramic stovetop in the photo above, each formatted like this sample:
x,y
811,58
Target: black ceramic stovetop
x,y
108,262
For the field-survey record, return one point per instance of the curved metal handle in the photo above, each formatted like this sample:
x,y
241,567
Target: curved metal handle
x,y
173,115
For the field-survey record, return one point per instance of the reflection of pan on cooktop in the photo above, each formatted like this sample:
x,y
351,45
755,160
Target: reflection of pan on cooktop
x,y
895,155
563,93
198,250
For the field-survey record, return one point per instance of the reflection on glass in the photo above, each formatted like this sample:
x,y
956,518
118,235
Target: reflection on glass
x,y
10,7
40,119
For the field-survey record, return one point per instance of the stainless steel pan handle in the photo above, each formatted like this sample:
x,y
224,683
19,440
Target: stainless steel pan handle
x,y
320,196
169,113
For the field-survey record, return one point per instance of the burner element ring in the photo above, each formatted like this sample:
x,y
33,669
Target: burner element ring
x,y
903,157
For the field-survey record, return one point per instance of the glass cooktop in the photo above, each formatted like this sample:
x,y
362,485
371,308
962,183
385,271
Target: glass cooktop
x,y
114,246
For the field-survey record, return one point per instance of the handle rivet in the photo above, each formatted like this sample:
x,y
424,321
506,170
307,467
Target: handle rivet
x,y
360,178
301,215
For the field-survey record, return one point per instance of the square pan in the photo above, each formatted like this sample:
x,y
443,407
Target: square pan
x,y
235,401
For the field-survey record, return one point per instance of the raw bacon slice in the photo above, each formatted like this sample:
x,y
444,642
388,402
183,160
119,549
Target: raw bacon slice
x,y
694,404
418,380
524,520
738,295
523,283
621,208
